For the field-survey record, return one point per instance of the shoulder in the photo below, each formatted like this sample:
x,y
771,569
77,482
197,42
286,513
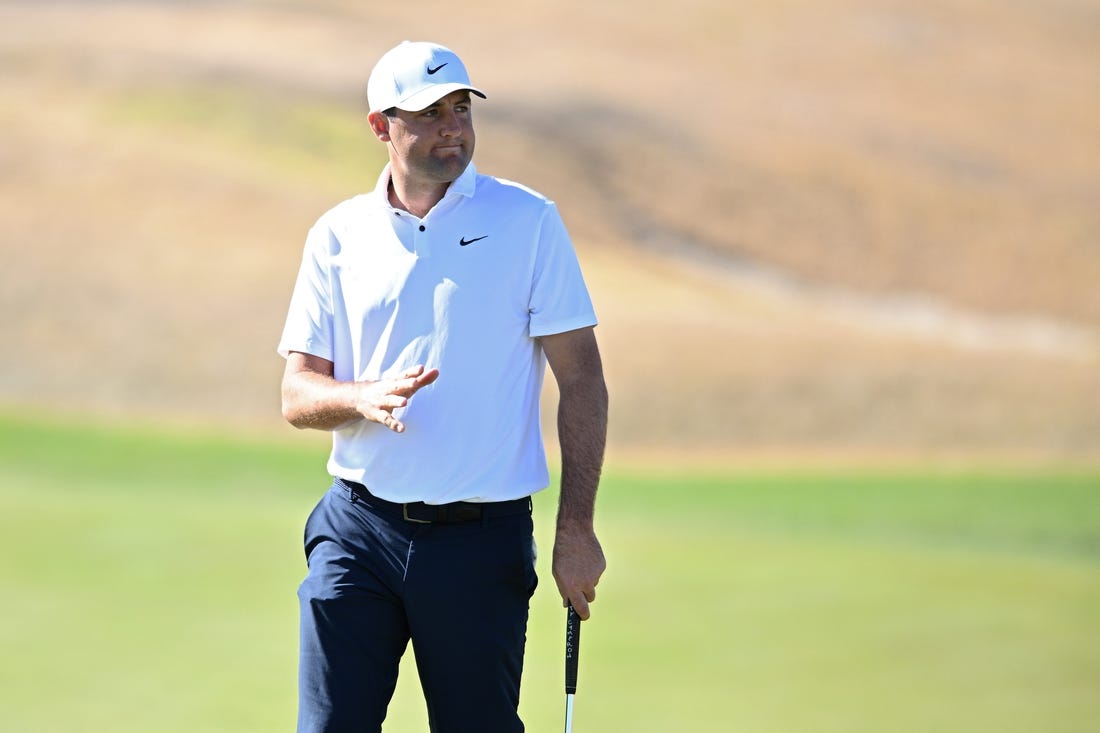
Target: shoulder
x,y
347,217
340,224
492,190
346,211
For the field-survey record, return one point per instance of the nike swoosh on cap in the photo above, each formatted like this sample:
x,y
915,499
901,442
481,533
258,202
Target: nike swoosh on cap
x,y
432,71
463,241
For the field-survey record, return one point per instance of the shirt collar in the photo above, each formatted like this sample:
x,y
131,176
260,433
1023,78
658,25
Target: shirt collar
x,y
462,186
465,183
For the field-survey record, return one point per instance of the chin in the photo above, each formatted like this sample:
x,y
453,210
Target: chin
x,y
452,167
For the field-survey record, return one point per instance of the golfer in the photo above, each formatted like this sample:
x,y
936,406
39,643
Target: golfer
x,y
418,332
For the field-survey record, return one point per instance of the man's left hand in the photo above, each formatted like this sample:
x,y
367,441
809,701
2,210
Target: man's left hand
x,y
578,564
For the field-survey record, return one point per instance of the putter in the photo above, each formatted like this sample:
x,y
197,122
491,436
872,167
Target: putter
x,y
572,652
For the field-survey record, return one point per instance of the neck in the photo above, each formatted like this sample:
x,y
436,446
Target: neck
x,y
417,199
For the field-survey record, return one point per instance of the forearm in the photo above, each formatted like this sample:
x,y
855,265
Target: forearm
x,y
313,398
317,401
582,435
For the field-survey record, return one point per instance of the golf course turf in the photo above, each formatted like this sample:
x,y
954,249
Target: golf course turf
x,y
149,577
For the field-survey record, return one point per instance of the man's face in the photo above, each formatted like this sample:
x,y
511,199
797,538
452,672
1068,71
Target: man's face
x,y
435,144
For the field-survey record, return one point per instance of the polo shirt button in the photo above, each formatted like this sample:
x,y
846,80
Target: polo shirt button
x,y
421,227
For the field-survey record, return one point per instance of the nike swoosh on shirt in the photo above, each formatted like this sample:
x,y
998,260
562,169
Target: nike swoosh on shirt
x,y
463,241
432,71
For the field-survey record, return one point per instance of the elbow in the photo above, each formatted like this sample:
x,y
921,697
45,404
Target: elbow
x,y
602,400
589,392
594,391
298,418
292,410
601,390
291,414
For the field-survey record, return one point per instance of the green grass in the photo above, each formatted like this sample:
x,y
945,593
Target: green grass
x,y
149,579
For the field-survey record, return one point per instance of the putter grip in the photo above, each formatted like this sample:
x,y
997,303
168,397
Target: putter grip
x,y
572,649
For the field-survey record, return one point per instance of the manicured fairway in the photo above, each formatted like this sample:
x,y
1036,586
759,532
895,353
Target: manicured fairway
x,y
149,577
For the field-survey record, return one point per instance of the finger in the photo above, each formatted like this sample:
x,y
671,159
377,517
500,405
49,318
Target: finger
x,y
389,402
386,418
410,385
580,605
381,405
420,375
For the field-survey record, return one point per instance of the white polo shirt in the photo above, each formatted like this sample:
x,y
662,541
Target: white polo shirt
x,y
467,290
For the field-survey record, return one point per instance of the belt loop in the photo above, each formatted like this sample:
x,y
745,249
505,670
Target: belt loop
x,y
349,491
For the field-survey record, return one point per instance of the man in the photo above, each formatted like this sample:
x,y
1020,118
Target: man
x,y
421,322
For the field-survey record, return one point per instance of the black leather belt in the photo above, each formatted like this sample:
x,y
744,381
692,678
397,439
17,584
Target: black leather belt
x,y
457,511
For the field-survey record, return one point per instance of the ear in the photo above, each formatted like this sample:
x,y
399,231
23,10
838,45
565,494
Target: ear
x,y
379,125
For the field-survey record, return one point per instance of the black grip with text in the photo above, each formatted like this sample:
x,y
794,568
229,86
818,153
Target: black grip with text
x,y
572,649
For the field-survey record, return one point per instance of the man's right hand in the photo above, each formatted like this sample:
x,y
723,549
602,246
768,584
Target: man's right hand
x,y
312,398
376,401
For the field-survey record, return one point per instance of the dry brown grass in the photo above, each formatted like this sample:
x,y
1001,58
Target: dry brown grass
x,y
751,188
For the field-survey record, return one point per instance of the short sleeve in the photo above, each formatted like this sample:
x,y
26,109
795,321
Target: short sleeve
x,y
309,321
559,299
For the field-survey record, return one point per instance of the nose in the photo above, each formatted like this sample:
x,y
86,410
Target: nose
x,y
449,126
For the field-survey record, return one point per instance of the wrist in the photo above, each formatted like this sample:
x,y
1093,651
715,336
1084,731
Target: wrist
x,y
571,524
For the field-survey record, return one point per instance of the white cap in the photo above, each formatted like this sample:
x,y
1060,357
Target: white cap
x,y
413,75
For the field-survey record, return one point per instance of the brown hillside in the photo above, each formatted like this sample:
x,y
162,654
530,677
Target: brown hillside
x,y
846,227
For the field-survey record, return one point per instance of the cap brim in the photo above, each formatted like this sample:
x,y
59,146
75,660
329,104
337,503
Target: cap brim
x,y
426,97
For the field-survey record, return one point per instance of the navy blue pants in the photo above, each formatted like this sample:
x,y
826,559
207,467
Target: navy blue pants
x,y
460,591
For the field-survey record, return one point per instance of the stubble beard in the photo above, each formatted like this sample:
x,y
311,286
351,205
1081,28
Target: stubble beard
x,y
431,167
447,167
